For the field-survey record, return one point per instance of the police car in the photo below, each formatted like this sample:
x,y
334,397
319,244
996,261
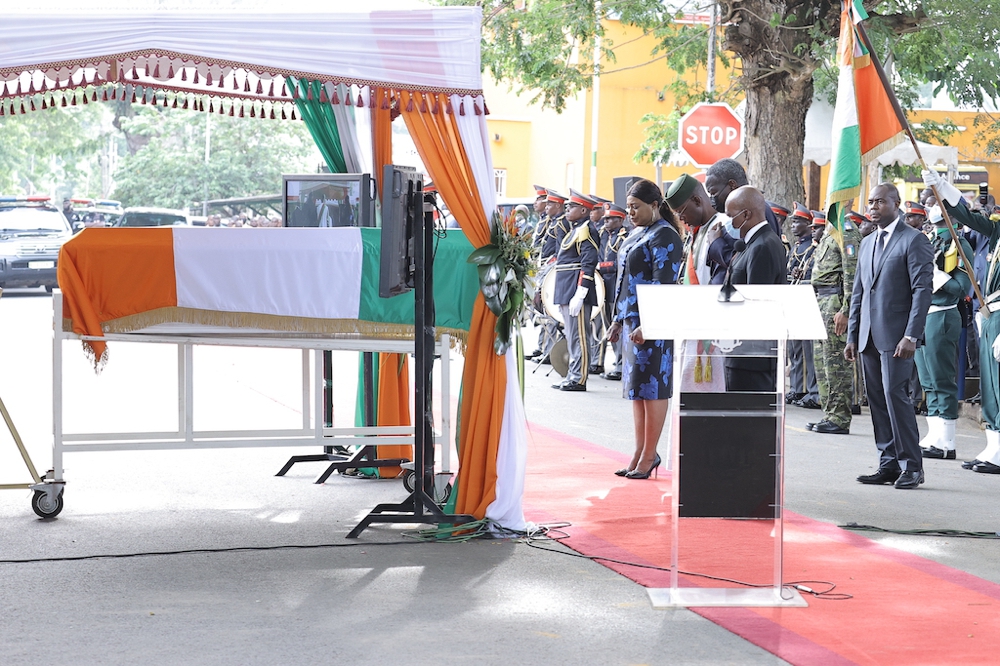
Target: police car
x,y
95,213
32,231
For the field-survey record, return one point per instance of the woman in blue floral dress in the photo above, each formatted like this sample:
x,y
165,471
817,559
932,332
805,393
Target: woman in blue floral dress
x,y
653,256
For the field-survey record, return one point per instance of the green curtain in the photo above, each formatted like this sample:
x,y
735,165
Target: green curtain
x,y
321,121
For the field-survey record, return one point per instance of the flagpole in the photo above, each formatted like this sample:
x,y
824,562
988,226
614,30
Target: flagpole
x,y
966,264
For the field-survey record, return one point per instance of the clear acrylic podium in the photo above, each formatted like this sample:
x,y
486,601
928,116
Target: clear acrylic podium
x,y
727,448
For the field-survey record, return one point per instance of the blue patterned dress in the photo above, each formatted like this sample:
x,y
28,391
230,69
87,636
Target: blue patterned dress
x,y
654,257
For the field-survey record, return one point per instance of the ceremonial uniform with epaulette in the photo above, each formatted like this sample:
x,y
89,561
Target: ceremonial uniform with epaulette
x,y
597,326
937,358
802,388
576,264
613,234
988,460
832,279
541,200
555,229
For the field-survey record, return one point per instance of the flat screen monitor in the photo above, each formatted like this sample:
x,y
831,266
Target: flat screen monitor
x,y
328,200
402,202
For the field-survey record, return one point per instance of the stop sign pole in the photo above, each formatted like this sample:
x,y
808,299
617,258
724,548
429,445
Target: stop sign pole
x,y
709,133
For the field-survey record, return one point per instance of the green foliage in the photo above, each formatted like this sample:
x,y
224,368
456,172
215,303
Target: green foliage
x,y
53,151
660,138
546,46
247,157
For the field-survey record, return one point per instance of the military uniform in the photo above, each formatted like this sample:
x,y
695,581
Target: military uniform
x,y
555,228
801,372
832,279
937,358
607,266
576,264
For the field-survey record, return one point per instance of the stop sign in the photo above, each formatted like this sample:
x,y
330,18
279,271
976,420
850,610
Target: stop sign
x,y
709,133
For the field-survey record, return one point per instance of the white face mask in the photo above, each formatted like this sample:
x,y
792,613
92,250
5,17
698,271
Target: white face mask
x,y
730,229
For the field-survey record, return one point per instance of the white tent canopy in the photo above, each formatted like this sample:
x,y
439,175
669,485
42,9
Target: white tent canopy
x,y
430,49
817,146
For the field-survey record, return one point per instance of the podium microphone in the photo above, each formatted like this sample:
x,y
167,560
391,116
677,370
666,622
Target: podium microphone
x,y
728,293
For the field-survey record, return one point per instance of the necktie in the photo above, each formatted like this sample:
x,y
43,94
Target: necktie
x,y
879,249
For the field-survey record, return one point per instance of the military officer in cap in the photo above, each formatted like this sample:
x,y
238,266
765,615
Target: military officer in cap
x,y
780,214
707,227
541,197
916,215
937,359
598,325
576,264
801,373
613,235
555,229
832,279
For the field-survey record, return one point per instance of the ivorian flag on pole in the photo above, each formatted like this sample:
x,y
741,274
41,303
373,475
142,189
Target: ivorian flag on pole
x,y
866,121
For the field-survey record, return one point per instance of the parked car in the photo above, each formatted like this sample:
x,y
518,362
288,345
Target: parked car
x,y
95,213
140,216
32,231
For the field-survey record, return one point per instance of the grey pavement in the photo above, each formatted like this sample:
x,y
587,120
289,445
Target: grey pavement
x,y
384,598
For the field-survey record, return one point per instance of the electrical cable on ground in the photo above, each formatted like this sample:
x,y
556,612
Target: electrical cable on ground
x,y
479,529
930,532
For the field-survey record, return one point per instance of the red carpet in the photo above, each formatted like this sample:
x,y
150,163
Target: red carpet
x,y
905,610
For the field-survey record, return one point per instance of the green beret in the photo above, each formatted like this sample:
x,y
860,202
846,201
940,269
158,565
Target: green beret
x,y
681,190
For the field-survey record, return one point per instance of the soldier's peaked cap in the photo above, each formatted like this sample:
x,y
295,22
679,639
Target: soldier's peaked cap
x,y
801,211
613,210
780,211
581,199
552,195
819,218
914,208
540,191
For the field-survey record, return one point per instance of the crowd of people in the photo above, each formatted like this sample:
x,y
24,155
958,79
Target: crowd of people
x,y
894,285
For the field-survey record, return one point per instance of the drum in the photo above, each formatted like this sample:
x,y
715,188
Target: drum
x,y
548,291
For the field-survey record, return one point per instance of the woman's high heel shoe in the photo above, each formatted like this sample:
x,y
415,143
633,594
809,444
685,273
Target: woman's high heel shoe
x,y
636,474
622,472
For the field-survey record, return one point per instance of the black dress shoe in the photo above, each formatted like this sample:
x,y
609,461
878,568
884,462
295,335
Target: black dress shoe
x,y
986,468
828,428
545,361
882,476
791,397
855,409
573,386
909,480
534,354
595,369
614,376
812,426
969,464
559,385
940,454
807,403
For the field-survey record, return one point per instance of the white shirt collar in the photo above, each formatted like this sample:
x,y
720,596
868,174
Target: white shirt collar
x,y
889,229
754,230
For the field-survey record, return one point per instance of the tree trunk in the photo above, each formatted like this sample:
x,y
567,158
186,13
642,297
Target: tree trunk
x,y
775,130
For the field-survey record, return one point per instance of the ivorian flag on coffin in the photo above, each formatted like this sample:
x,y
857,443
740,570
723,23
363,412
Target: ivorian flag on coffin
x,y
301,280
865,121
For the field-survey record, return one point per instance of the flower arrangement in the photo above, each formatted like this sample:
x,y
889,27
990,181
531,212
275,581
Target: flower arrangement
x,y
507,270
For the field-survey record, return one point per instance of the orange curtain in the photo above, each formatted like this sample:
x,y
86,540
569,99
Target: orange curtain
x,y
393,402
431,123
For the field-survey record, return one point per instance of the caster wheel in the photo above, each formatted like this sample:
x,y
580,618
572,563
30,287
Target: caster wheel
x,y
45,507
410,480
443,496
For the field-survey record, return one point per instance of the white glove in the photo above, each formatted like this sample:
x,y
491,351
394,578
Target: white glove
x,y
576,303
947,191
939,279
996,349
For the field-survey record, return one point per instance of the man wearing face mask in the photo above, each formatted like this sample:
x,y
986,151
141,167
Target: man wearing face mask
x,y
762,260
708,231
575,293
726,175
832,279
937,360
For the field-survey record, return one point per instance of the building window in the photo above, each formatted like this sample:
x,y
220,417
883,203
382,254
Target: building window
x,y
500,181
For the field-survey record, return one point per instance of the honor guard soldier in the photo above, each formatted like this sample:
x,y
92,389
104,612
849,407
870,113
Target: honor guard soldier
x,y
915,215
803,390
613,235
832,279
988,460
937,359
555,229
576,264
598,325
541,196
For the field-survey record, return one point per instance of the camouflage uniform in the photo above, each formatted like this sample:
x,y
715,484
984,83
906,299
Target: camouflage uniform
x,y
832,278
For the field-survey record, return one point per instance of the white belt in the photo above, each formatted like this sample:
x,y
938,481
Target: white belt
x,y
993,307
941,308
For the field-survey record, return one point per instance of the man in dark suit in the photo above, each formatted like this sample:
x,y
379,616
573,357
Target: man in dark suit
x,y
892,291
759,258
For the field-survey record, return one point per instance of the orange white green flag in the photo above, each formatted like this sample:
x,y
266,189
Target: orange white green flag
x,y
866,121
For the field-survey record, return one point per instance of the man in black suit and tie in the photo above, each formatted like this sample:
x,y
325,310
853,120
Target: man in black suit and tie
x,y
892,291
758,258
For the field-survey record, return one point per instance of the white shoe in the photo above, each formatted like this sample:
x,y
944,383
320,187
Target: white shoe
x,y
991,453
934,432
946,441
